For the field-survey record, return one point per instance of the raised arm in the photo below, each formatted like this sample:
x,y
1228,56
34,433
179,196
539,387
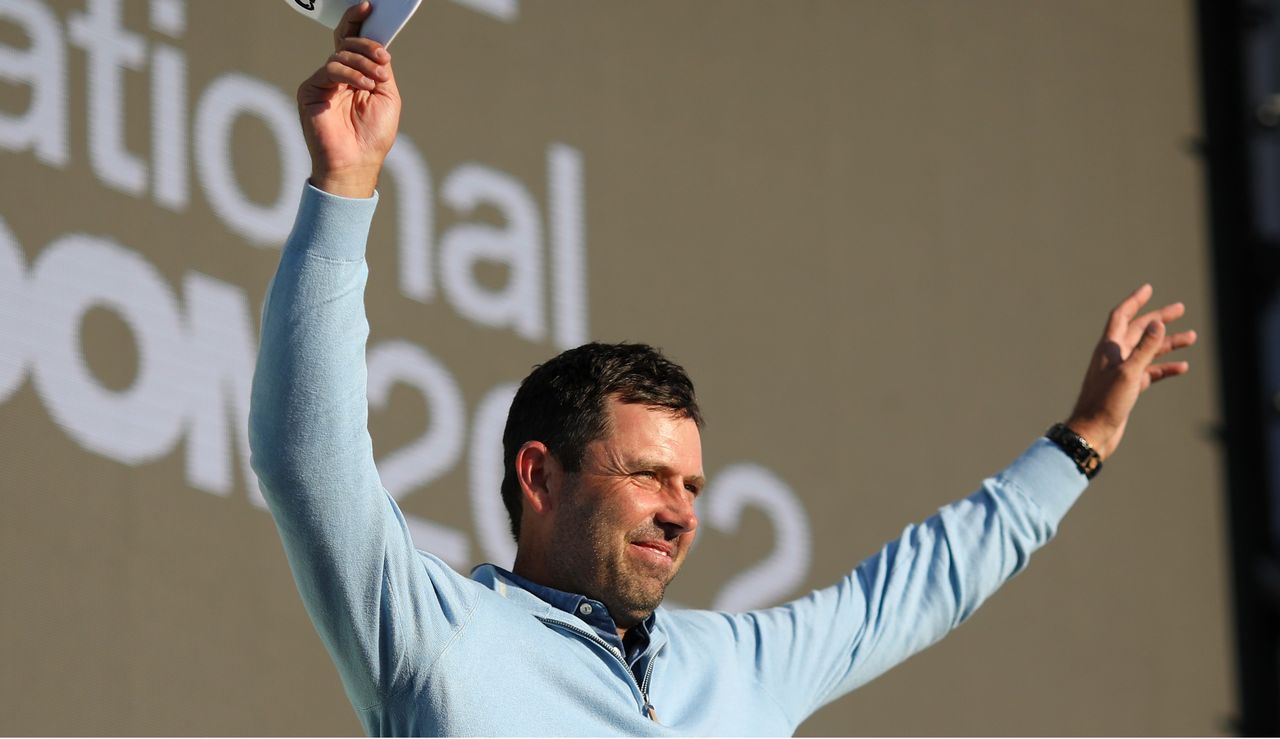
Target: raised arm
x,y
350,111
382,610
932,578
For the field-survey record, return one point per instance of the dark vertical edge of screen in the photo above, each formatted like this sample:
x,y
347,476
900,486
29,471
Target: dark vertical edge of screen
x,y
1244,282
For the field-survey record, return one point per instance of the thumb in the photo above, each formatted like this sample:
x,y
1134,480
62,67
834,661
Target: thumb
x,y
1149,345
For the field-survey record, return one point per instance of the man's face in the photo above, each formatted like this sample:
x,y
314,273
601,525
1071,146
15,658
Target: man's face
x,y
625,521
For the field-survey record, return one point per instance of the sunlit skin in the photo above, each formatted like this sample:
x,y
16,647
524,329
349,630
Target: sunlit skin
x,y
619,529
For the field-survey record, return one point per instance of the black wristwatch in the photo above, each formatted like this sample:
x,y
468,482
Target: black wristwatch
x,y
1075,446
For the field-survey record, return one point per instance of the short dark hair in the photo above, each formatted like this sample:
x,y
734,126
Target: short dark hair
x,y
562,403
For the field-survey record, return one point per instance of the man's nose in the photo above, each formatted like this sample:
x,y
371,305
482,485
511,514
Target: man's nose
x,y
677,516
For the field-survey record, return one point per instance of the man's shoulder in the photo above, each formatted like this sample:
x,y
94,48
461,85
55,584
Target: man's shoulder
x,y
698,625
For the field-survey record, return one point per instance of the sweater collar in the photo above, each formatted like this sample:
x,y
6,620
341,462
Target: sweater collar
x,y
550,602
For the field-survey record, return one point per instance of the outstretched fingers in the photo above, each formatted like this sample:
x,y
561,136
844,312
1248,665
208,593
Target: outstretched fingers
x,y
1148,347
1155,343
1158,372
1123,314
1173,342
1125,363
1180,340
1167,314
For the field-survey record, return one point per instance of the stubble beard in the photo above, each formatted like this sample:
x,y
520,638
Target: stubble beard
x,y
589,560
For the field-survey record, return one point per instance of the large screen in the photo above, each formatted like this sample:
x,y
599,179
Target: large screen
x,y
882,237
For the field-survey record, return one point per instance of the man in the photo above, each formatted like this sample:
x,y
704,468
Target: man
x,y
603,462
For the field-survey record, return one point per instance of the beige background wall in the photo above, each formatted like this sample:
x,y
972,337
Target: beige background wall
x,y
882,236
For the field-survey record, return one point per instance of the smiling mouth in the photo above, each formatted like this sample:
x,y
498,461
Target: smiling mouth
x,y
659,547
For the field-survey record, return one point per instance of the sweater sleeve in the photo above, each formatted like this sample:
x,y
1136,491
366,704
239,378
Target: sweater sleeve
x,y
377,603
913,591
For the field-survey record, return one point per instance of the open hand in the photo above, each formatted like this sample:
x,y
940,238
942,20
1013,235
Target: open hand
x,y
350,110
1124,365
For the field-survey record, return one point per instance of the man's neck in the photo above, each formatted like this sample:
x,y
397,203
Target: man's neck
x,y
534,573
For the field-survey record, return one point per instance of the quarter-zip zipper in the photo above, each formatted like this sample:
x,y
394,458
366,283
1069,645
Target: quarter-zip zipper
x,y
642,689
644,685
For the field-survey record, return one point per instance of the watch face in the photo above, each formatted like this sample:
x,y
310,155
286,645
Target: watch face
x,y
1075,447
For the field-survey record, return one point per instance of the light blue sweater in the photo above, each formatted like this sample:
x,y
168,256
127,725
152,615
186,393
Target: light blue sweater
x,y
424,650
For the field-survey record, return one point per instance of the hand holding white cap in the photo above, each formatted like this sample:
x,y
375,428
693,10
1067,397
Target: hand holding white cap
x,y
350,110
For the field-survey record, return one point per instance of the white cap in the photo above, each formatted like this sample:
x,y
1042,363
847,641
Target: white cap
x,y
382,25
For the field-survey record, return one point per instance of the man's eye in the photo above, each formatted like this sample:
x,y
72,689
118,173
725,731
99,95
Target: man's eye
x,y
692,488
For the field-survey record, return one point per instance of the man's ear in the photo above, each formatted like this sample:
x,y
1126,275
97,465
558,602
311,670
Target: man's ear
x,y
539,474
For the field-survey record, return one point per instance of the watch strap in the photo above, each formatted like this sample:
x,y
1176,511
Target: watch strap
x,y
1077,448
